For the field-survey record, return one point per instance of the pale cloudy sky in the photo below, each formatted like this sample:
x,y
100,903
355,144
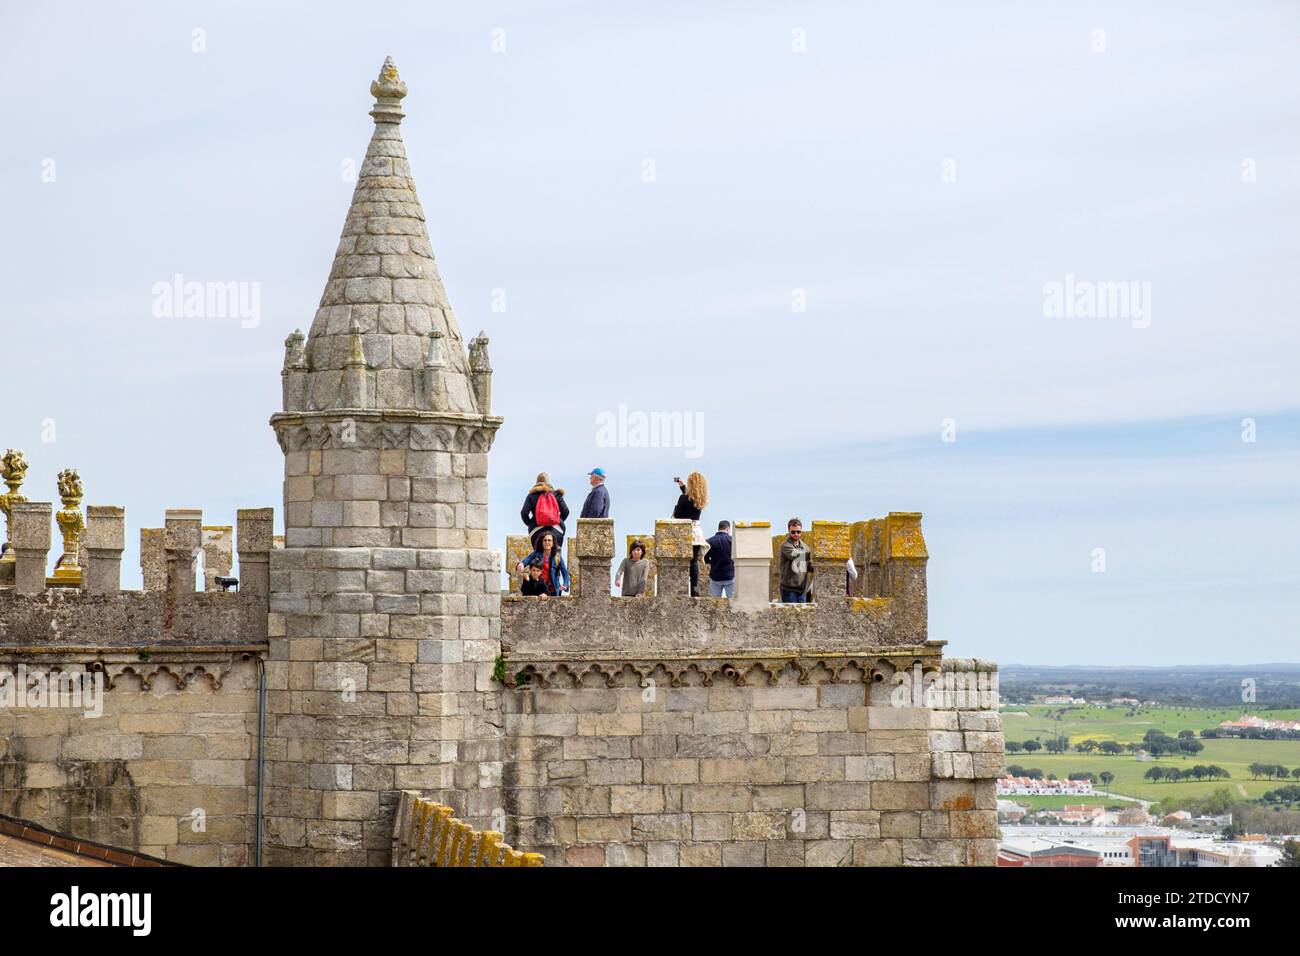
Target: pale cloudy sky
x,y
1164,150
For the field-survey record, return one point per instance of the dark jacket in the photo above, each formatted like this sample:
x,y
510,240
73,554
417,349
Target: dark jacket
x,y
559,570
718,558
686,508
597,503
528,512
531,588
796,565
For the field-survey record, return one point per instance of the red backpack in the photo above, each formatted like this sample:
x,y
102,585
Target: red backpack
x,y
547,510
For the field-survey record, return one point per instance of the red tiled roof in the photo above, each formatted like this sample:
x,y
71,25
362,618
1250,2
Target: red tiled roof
x,y
23,843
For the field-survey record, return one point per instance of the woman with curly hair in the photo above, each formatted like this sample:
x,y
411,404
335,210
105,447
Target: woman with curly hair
x,y
694,499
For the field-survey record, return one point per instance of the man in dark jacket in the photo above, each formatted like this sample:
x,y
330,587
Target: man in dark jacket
x,y
796,565
597,503
722,570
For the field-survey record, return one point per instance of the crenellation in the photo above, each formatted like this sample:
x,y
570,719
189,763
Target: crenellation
x,y
30,537
182,542
103,542
153,558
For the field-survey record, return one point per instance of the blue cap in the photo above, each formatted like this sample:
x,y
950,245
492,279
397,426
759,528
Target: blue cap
x,y
598,472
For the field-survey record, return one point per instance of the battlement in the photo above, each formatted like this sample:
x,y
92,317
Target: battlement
x,y
885,607
81,604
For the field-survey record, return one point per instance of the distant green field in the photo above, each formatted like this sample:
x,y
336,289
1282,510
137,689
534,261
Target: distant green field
x,y
1041,802
1111,723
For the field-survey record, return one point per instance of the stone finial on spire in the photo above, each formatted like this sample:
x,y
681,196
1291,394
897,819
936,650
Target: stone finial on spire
x,y
354,369
388,91
435,383
295,351
480,373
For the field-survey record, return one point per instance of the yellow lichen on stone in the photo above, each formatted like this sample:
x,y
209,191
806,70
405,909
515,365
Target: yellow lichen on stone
x,y
903,536
830,541
672,538
860,605
594,538
518,547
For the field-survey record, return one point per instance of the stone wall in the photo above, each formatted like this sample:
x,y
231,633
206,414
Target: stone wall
x,y
675,731
167,769
777,766
151,742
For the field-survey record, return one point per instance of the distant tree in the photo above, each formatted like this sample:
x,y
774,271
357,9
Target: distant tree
x,y
1257,770
1051,776
1111,747
1190,745
1032,746
1218,802
1158,743
1290,854
1173,774
1086,746
1106,778
1186,734
1154,774
1014,746
1295,772
1058,745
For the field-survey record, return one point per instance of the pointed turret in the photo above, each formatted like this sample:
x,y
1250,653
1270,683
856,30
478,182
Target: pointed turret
x,y
386,596
384,280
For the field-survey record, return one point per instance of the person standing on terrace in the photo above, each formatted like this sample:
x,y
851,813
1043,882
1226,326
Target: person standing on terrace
x,y
796,565
692,502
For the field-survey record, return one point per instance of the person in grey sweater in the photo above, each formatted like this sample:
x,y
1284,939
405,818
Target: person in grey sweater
x,y
634,572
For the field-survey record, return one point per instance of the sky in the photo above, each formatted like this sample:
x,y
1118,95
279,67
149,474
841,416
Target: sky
x,y
826,234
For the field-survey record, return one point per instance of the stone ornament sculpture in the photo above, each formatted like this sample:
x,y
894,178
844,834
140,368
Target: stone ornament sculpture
x,y
13,470
67,571
295,351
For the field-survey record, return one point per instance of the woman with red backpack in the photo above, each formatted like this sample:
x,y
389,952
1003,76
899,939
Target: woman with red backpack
x,y
545,510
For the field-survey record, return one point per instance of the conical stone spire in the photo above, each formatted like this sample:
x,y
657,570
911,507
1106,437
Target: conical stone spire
x,y
386,599
384,281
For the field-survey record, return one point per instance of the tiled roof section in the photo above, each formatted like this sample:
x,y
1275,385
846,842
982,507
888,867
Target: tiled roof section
x,y
384,287
23,843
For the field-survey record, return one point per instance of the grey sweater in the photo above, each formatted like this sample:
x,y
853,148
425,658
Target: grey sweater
x,y
634,575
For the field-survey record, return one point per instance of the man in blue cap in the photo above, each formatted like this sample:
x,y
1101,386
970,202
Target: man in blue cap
x,y
597,503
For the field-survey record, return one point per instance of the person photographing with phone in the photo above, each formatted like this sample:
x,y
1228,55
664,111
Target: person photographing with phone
x,y
690,505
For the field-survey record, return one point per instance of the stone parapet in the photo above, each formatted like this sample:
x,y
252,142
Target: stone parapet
x,y
103,543
218,554
670,619
751,552
30,535
67,617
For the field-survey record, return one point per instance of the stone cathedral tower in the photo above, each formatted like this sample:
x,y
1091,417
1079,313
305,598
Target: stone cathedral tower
x,y
385,601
